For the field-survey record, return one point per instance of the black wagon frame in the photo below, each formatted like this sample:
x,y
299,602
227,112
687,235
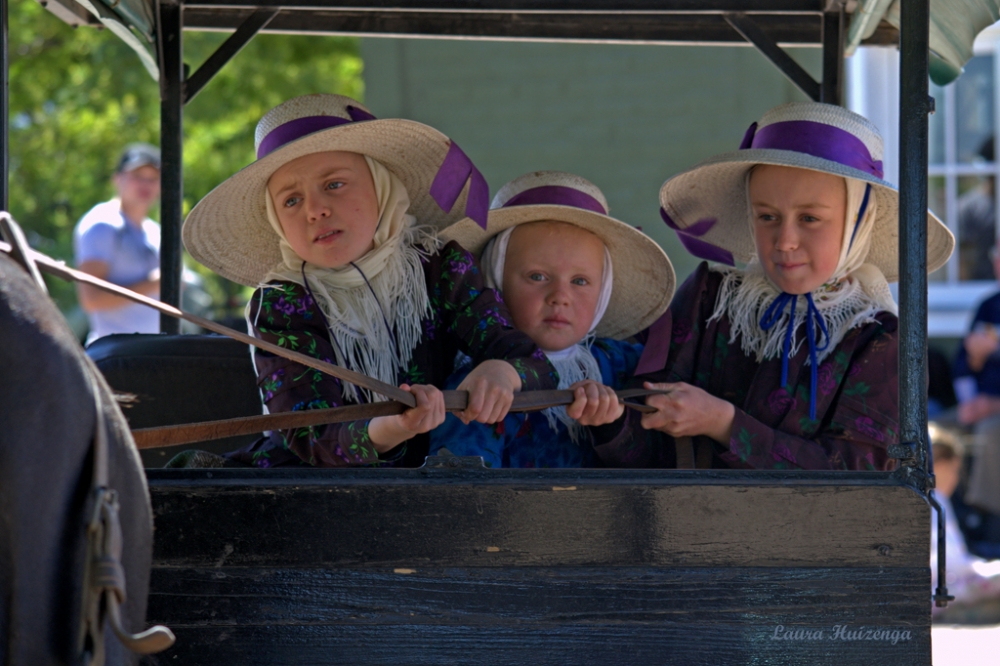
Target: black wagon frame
x,y
866,545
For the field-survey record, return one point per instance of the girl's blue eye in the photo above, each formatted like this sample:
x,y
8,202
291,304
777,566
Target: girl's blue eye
x,y
334,185
291,201
581,281
536,277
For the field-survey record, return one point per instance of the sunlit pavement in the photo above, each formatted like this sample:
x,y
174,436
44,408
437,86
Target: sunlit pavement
x,y
965,646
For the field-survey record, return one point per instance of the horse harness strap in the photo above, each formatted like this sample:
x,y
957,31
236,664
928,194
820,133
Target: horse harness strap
x,y
104,576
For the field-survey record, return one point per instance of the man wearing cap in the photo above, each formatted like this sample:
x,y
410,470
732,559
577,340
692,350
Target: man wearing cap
x,y
115,241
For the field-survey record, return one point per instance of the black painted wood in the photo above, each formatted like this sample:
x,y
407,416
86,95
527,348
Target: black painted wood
x,y
681,28
4,107
227,51
410,522
914,108
171,51
832,86
543,615
769,48
457,564
562,6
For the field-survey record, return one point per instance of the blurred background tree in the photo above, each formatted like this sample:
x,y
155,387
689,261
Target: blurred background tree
x,y
77,96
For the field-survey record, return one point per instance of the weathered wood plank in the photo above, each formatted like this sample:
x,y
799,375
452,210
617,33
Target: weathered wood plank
x,y
538,615
362,520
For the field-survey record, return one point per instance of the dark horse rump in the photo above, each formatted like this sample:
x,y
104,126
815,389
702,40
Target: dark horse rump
x,y
47,425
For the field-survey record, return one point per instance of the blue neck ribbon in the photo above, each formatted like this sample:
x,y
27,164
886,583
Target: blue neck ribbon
x,y
777,307
771,317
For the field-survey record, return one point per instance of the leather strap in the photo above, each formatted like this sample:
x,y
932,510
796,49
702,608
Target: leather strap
x,y
104,576
171,435
19,248
704,454
685,452
529,401
59,269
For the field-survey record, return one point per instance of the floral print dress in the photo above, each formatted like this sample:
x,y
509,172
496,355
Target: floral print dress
x,y
857,407
527,439
465,316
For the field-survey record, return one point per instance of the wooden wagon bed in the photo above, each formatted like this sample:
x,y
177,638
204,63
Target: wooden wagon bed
x,y
453,564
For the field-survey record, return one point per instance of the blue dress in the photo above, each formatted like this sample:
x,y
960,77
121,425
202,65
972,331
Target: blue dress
x,y
527,439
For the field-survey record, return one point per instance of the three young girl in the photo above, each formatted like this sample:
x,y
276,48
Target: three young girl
x,y
787,363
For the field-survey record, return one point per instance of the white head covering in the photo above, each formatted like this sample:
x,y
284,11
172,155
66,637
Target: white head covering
x,y
373,306
574,363
854,294
495,258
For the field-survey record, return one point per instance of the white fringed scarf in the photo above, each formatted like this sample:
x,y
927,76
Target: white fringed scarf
x,y
852,297
575,363
373,306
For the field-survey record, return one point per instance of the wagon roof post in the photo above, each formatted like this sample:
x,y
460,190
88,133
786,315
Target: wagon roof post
x,y
914,108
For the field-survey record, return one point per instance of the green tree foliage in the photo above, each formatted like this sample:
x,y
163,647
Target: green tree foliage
x,y
77,96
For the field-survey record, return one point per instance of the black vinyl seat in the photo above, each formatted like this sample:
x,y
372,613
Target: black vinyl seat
x,y
179,379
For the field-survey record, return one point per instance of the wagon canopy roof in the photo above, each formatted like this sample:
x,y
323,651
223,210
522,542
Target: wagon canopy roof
x,y
954,23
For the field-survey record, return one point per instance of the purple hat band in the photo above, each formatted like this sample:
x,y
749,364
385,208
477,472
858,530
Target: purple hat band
x,y
451,177
300,127
817,139
556,195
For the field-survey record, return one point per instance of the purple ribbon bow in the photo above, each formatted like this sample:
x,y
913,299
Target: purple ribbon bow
x,y
689,238
455,171
817,139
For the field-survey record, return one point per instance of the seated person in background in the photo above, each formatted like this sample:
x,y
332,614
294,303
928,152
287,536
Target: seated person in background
x,y
792,361
577,282
977,387
940,388
974,582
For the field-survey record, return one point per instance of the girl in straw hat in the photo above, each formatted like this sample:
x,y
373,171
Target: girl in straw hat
x,y
790,362
336,225
577,281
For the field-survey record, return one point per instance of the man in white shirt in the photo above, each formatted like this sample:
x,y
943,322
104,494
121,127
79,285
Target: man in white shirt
x,y
117,242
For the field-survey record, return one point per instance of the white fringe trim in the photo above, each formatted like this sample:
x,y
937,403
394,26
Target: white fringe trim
x,y
745,295
574,364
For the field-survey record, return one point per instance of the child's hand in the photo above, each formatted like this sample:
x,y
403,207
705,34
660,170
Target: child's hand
x,y
594,403
491,386
688,411
387,432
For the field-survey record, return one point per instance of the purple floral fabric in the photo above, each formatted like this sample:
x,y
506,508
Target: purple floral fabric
x,y
465,316
856,402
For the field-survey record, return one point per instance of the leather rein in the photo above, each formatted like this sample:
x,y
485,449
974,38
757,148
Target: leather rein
x,y
399,400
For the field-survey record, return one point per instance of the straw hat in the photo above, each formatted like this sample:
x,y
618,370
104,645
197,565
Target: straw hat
x,y
228,230
708,208
643,276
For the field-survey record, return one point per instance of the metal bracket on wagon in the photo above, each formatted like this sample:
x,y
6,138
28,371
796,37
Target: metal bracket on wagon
x,y
909,470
